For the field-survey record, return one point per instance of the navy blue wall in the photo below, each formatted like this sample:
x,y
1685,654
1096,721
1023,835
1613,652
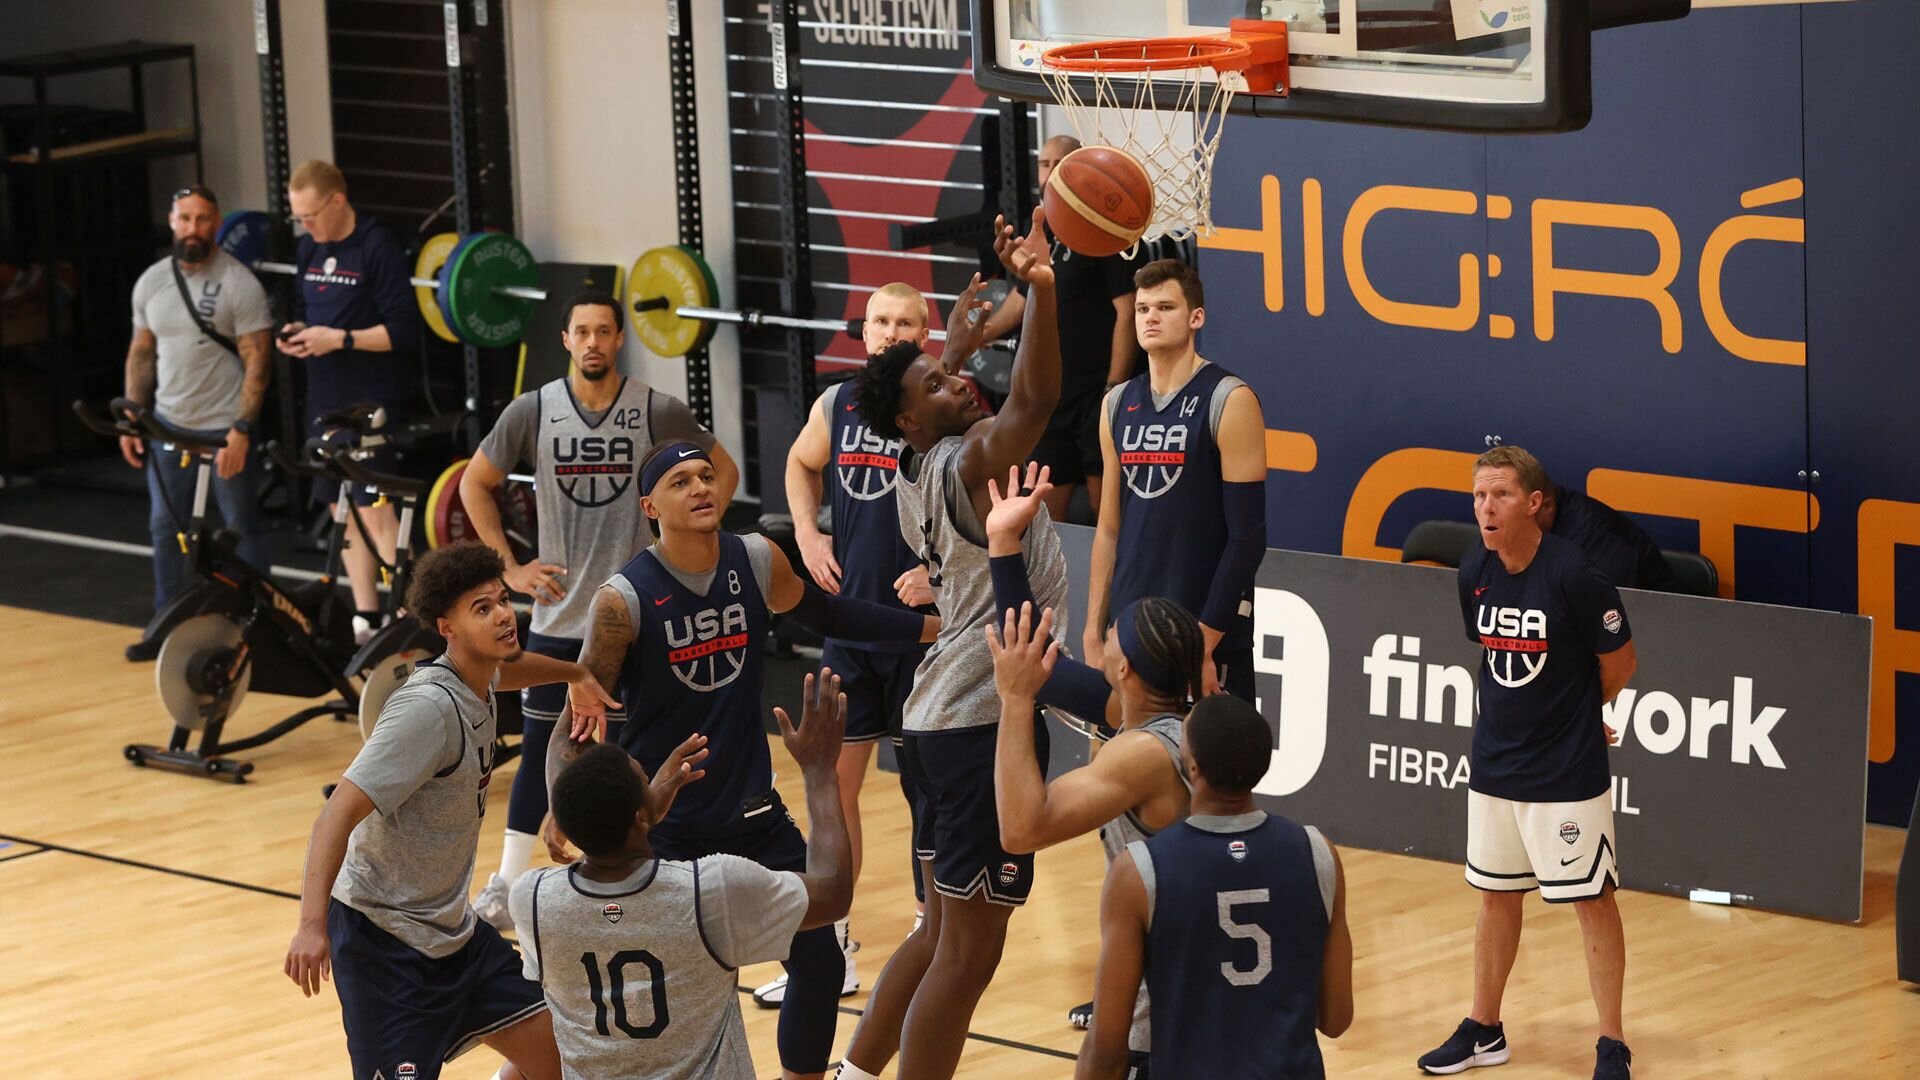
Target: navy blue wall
x,y
1712,139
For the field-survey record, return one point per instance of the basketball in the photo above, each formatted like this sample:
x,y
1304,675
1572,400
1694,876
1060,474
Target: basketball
x,y
1098,201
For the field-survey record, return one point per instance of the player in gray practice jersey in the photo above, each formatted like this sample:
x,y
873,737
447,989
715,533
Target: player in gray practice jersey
x,y
644,951
584,435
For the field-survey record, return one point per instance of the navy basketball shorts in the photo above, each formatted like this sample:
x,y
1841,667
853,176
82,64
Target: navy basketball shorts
x,y
957,825
406,1013
876,685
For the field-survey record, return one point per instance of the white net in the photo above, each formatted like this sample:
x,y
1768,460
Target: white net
x,y
1174,142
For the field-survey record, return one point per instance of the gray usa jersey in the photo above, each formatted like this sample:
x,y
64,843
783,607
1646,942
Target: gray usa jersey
x,y
1127,829
640,974
953,689
426,766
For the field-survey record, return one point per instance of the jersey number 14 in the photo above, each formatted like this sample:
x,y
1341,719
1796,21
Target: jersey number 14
x,y
614,987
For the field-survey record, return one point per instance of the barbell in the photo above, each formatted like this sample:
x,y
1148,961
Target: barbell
x,y
480,289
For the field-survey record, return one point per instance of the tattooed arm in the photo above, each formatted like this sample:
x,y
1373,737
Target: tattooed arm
x,y
603,654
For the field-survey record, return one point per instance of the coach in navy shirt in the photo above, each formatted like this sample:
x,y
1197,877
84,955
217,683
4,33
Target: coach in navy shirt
x,y
1620,549
1539,808
356,323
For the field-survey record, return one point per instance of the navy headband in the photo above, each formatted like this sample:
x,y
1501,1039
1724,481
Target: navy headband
x,y
1155,674
663,461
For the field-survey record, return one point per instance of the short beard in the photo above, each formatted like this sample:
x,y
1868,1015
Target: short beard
x,y
593,376
191,249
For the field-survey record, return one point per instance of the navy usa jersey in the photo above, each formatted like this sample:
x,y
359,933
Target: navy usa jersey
x,y
695,665
1539,736
862,470
1173,518
1237,933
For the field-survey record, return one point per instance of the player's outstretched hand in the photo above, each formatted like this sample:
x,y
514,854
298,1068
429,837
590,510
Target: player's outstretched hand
x,y
913,587
540,580
681,768
966,324
557,847
308,960
1029,257
815,744
1015,508
1023,652
588,702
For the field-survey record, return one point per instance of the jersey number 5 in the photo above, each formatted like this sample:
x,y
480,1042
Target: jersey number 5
x,y
615,987
1262,943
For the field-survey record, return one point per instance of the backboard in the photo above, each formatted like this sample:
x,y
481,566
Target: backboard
x,y
1460,65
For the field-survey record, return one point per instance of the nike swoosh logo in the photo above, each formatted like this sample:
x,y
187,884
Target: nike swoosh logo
x,y
1481,589
1494,1045
1131,408
556,419
661,601
1570,862
850,408
688,453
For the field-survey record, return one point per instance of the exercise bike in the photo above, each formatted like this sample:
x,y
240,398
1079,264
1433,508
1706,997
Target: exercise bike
x,y
246,632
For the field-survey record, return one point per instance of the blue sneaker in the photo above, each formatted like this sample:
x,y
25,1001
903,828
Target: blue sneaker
x,y
1612,1060
1471,1046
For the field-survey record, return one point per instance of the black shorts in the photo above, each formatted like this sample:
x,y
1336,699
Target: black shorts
x,y
769,838
405,1012
380,458
1235,666
957,824
876,685
544,702
1071,444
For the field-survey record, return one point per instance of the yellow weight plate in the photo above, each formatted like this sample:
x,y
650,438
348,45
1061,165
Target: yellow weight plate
x,y
433,254
668,278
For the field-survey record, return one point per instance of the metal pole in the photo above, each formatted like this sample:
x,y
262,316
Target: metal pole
x,y
273,142
462,201
796,286
686,180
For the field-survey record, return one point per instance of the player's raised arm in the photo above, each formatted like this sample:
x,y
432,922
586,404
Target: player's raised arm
x,y
815,745
992,447
842,617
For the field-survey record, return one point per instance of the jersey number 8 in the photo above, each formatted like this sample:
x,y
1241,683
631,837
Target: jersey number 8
x,y
615,987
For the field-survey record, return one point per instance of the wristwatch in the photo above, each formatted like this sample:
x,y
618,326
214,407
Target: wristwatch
x,y
243,425
347,342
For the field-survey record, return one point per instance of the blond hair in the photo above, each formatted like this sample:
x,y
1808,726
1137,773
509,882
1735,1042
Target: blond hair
x,y
323,178
900,290
1533,475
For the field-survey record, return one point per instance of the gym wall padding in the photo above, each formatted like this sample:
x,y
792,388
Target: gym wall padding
x,y
1438,301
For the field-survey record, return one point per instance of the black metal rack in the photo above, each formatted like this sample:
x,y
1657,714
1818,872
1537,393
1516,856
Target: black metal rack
x,y
111,239
686,182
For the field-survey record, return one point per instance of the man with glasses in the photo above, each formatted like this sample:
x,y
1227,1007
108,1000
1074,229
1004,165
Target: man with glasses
x,y
355,322
200,359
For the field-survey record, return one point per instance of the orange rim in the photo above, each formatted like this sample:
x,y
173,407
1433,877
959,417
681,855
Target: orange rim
x,y
1151,54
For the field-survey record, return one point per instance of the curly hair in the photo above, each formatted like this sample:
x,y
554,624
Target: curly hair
x,y
442,576
1230,743
595,798
880,388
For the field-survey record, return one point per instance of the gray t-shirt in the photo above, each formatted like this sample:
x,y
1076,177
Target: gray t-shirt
x,y
199,381
586,463
663,943
409,866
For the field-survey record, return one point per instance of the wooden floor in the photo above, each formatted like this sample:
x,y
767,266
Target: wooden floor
x,y
144,916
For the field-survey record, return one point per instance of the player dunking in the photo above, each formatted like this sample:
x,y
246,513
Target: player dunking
x,y
1539,809
1187,518
584,433
383,901
1237,920
838,453
681,629
926,995
636,954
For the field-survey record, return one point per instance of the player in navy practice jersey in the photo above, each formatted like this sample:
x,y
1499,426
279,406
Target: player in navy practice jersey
x,y
1539,811
865,557
927,993
1236,918
680,629
1187,520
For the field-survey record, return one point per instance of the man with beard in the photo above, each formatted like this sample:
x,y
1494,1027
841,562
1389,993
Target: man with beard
x,y
202,332
585,435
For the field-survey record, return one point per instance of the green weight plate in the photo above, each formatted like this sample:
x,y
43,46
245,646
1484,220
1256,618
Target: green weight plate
x,y
477,268
433,255
442,294
680,277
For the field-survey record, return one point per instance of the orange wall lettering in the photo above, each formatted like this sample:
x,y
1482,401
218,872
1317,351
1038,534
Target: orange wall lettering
x,y
1717,505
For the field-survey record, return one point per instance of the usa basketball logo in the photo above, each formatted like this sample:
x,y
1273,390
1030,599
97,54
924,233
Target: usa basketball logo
x,y
1570,832
328,266
708,650
1152,457
1516,641
612,913
1237,849
593,470
1008,872
406,1070
867,465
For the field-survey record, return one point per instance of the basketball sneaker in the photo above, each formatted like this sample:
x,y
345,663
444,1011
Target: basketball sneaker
x,y
771,994
1612,1060
1471,1046
1081,1016
491,904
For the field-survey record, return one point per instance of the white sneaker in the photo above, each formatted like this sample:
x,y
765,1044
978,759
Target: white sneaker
x,y
770,995
491,904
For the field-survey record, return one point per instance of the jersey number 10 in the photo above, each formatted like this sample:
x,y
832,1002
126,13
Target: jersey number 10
x,y
614,986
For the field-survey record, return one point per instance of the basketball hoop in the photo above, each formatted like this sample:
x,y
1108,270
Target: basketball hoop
x,y
1150,98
